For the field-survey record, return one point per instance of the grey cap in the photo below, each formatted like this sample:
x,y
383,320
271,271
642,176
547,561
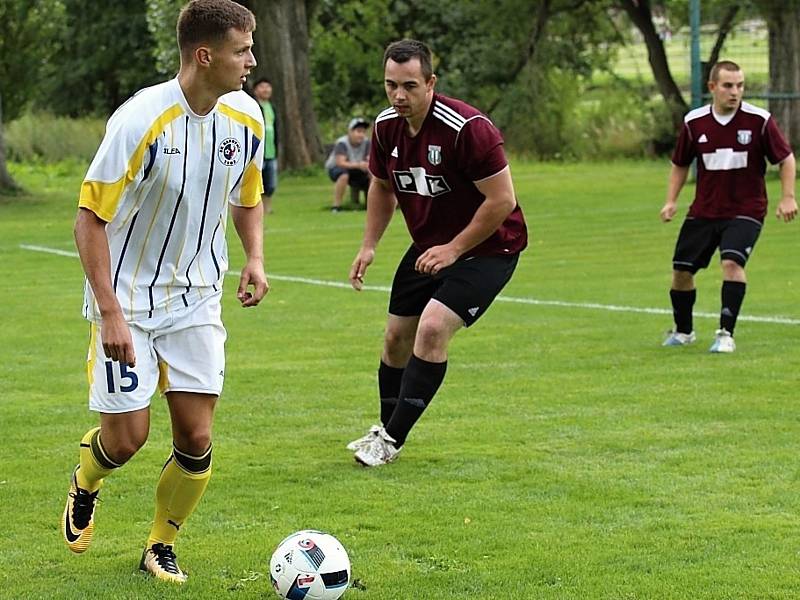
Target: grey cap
x,y
358,122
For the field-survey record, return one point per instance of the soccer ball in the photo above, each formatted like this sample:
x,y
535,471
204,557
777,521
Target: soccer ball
x,y
310,565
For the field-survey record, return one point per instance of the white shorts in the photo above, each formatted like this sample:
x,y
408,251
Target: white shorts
x,y
182,351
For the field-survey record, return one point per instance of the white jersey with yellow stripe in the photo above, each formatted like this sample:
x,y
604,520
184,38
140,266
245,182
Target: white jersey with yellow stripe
x,y
162,180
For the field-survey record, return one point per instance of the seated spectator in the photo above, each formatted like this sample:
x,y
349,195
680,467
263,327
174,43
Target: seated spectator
x,y
347,164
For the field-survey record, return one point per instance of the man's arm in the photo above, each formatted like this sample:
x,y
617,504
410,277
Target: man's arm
x,y
787,207
249,223
677,178
499,203
92,243
380,210
343,163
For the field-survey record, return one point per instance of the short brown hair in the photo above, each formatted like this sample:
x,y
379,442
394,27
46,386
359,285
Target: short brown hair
x,y
208,21
727,65
404,50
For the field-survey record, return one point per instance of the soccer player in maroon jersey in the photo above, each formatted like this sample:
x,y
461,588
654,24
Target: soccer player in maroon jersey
x,y
731,141
442,161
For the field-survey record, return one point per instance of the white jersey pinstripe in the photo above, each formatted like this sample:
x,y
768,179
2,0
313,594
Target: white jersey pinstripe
x,y
162,179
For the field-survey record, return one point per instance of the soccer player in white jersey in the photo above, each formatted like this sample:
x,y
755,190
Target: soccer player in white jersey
x,y
150,232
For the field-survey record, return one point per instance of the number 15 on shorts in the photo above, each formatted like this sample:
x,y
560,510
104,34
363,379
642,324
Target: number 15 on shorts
x,y
120,378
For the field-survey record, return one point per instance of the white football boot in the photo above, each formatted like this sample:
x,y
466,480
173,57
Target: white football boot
x,y
723,343
380,451
364,441
675,338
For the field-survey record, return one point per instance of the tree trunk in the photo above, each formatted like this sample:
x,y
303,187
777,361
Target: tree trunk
x,y
281,49
7,183
784,68
542,16
725,26
639,12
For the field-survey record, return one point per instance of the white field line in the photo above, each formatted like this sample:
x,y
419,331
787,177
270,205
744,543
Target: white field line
x,y
515,300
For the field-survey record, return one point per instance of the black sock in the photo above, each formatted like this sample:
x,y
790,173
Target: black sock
x,y
732,297
682,304
389,379
421,380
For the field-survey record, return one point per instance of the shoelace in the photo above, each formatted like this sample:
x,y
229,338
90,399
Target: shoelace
x,y
165,558
82,507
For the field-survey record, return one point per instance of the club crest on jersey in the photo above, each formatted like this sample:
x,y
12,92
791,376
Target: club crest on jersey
x,y
435,155
229,151
744,136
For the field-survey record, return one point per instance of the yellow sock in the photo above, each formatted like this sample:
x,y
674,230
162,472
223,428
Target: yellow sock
x,y
95,463
183,482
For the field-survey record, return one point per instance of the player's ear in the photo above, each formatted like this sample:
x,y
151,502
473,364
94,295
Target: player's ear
x,y
202,55
431,82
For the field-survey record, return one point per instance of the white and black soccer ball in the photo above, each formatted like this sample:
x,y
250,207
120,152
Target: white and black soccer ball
x,y
310,565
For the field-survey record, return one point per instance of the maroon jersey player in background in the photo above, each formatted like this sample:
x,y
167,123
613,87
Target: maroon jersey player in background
x,y
731,141
442,161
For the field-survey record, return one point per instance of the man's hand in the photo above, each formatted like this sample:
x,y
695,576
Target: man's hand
x,y
436,258
787,209
117,341
668,212
252,274
363,260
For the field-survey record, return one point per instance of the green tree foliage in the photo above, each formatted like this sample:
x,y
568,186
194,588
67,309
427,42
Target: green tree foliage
x,y
347,44
529,68
519,60
103,55
27,31
162,15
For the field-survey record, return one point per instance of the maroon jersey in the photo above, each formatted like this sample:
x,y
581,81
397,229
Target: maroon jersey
x,y
433,174
730,160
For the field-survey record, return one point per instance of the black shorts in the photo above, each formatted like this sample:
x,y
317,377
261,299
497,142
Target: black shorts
x,y
356,177
699,239
467,287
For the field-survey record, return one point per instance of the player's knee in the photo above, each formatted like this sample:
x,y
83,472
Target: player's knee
x,y
682,280
121,451
398,341
731,270
193,442
431,334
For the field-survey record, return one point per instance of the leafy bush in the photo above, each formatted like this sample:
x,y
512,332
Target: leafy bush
x,y
619,121
552,115
536,116
42,137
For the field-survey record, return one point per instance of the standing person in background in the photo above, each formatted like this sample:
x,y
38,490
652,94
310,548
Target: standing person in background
x,y
731,141
442,161
347,164
262,90
150,232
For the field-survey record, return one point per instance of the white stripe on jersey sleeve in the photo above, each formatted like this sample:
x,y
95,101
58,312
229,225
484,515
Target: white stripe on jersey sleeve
x,y
446,119
472,119
697,113
755,110
389,113
457,118
384,115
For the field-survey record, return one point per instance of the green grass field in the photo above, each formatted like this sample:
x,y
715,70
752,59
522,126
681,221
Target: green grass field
x,y
567,456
